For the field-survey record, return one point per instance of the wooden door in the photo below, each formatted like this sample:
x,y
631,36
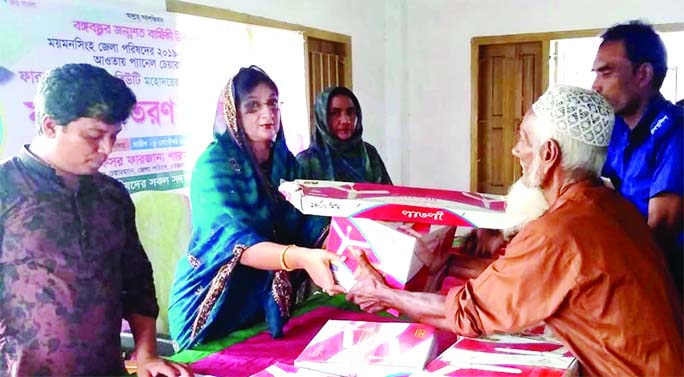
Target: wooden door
x,y
509,81
327,62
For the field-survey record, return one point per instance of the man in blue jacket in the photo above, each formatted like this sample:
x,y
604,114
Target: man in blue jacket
x,y
645,153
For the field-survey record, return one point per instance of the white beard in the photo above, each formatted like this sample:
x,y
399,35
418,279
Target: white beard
x,y
525,201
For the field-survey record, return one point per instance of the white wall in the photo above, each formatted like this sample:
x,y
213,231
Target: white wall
x,y
438,61
411,63
396,152
364,21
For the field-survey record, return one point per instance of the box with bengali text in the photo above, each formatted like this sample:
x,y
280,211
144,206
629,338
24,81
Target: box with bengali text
x,y
406,232
357,348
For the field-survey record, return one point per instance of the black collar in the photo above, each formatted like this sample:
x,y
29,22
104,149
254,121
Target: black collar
x,y
44,170
643,127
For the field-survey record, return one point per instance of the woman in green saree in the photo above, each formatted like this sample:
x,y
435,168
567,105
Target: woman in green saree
x,y
337,152
246,238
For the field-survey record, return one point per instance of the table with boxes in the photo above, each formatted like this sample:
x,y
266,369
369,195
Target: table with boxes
x,y
408,234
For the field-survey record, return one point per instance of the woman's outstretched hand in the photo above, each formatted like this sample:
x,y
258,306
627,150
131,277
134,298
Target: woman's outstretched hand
x,y
316,263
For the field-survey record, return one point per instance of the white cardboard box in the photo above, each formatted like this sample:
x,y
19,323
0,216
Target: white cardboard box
x,y
406,232
356,348
285,370
396,203
409,255
500,355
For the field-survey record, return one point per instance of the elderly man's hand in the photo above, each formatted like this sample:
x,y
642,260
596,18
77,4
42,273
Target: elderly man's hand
x,y
483,242
369,285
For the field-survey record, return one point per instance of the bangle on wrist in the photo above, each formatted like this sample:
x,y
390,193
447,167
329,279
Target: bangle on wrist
x,y
283,262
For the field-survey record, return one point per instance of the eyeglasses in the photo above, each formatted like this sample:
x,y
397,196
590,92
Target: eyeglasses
x,y
253,106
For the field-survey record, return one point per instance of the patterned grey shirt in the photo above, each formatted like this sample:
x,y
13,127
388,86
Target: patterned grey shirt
x,y
71,265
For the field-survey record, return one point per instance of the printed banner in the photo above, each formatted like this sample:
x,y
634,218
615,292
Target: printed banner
x,y
172,62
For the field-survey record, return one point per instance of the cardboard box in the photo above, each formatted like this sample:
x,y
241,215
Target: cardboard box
x,y
498,355
409,255
285,370
356,348
406,232
396,203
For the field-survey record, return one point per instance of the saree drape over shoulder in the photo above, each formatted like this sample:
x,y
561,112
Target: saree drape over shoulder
x,y
235,205
329,158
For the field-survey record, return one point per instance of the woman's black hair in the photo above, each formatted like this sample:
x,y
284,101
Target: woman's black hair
x,y
247,79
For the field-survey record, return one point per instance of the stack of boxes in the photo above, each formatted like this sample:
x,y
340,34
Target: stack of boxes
x,y
407,233
373,349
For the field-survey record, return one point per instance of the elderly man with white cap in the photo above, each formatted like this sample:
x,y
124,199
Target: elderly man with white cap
x,y
588,266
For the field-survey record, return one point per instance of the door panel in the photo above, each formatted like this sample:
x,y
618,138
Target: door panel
x,y
327,61
509,81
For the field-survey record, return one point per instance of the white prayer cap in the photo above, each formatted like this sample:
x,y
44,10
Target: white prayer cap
x,y
582,114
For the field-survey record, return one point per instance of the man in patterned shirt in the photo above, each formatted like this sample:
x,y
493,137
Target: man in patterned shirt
x,y
71,263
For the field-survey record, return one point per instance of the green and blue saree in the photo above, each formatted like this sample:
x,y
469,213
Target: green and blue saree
x,y
331,159
235,205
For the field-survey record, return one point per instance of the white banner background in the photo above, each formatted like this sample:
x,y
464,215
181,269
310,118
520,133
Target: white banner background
x,y
175,64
